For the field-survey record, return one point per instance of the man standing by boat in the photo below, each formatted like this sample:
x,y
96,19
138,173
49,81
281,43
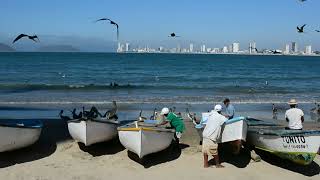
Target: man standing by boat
x,y
175,121
212,135
294,116
230,111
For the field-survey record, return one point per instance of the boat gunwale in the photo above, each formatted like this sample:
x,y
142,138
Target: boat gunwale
x,y
39,124
106,121
284,132
145,129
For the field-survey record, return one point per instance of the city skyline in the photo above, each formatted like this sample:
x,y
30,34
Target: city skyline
x,y
234,48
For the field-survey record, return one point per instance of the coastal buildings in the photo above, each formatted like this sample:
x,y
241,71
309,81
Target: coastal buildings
x,y
127,47
294,47
286,49
308,50
252,48
191,48
235,47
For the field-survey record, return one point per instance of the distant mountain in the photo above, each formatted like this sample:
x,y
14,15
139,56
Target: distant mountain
x,y
58,48
6,48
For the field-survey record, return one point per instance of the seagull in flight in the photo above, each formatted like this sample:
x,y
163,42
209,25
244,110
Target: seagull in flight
x,y
173,35
317,30
301,29
111,22
302,0
33,38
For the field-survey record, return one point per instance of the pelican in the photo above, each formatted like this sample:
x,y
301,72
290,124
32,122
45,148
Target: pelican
x,y
33,38
111,22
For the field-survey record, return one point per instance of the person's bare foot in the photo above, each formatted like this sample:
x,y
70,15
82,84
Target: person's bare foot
x,y
219,166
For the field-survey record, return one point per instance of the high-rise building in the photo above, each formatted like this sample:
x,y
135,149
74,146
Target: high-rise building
x,y
127,47
252,48
308,50
119,47
225,49
235,47
294,47
203,48
191,48
287,49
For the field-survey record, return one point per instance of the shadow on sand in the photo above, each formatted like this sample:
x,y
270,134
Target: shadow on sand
x,y
311,170
105,148
170,154
226,155
53,131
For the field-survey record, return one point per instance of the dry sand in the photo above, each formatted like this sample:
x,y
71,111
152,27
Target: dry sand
x,y
56,157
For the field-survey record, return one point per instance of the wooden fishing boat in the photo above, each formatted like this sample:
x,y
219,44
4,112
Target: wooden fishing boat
x,y
91,131
18,133
298,146
143,139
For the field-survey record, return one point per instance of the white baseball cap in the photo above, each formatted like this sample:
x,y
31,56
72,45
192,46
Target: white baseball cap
x,y
165,111
218,108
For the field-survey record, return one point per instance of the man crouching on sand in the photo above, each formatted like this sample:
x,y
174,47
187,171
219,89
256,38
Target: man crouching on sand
x,y
211,136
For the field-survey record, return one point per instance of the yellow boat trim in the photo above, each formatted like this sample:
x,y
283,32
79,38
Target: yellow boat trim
x,y
137,129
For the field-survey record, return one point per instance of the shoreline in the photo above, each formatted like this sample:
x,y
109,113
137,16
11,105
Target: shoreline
x,y
57,156
236,54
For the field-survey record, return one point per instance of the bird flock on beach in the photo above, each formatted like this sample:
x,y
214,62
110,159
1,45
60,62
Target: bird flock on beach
x,y
300,29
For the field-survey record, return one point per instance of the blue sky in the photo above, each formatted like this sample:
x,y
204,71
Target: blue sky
x,y
271,23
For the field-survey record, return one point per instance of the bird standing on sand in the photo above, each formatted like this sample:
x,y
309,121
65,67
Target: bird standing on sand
x,y
301,29
111,22
173,35
33,38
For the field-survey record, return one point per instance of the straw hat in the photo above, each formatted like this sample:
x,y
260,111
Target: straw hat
x,y
293,102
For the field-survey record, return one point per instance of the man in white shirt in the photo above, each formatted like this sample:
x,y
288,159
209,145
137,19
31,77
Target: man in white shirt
x,y
294,116
212,136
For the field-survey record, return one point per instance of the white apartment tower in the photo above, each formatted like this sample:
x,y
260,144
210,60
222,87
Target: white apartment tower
x,y
127,47
235,47
191,48
308,50
287,49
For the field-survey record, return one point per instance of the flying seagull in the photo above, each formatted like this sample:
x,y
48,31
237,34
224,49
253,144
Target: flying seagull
x,y
111,22
33,38
317,30
173,35
302,0
301,29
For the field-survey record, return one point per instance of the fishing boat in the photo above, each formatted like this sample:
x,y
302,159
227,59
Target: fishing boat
x,y
298,146
145,139
18,133
92,131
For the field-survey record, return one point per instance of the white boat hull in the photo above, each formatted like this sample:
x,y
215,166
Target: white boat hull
x,y
91,132
143,142
299,148
234,131
12,138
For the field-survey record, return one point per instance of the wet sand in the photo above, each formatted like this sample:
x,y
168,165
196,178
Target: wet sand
x,y
57,156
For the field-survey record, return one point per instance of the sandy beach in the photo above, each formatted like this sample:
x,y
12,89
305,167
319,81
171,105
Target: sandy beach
x,y
56,156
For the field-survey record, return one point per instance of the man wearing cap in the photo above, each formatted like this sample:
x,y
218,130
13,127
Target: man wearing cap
x,y
175,121
212,135
294,116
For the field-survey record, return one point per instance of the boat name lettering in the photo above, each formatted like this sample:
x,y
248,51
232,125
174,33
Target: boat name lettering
x,y
293,139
